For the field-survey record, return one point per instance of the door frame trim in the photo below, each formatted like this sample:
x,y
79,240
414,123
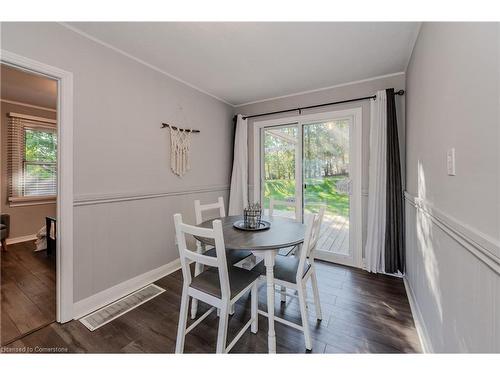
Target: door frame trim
x,y
64,243
298,159
356,113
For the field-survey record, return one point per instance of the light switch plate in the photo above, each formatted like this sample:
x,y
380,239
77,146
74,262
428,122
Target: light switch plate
x,y
450,162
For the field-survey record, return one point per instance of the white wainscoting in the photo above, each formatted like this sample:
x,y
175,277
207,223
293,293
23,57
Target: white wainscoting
x,y
453,281
417,318
101,299
92,199
124,241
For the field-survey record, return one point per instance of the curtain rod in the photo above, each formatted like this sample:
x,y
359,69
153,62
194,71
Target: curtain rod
x,y
300,109
165,125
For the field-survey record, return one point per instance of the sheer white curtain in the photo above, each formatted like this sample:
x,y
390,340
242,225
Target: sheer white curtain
x,y
238,198
375,240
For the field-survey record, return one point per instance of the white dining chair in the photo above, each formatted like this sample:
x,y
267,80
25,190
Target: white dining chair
x,y
233,256
287,250
287,203
200,208
220,285
294,272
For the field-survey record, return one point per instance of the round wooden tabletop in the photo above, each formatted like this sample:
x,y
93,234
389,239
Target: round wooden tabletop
x,y
283,233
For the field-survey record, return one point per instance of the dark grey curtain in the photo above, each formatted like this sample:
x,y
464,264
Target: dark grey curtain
x,y
394,231
235,118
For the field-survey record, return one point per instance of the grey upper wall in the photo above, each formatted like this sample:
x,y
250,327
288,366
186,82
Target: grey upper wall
x,y
453,101
120,150
119,106
343,92
453,253
339,93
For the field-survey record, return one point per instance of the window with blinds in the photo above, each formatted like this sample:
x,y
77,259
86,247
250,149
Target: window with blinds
x,y
32,151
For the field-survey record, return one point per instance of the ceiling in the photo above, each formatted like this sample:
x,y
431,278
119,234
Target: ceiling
x,y
245,62
20,86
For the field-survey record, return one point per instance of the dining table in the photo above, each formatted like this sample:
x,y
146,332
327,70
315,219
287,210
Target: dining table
x,y
282,233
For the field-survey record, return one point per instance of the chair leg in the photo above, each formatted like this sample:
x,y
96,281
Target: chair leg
x,y
198,268
283,294
317,303
303,315
231,309
4,245
305,295
183,315
222,333
254,306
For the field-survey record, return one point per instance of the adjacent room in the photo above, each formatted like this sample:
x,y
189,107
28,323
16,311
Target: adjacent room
x,y
28,208
253,187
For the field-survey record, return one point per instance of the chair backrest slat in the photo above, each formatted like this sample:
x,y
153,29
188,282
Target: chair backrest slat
x,y
186,255
313,227
197,231
200,208
200,258
313,240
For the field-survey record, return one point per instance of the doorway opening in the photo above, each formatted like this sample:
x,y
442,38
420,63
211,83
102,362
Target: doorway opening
x,y
29,149
312,160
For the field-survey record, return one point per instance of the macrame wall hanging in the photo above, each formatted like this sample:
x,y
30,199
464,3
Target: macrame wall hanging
x,y
180,146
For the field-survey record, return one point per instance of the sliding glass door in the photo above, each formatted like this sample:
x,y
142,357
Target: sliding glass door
x,y
327,182
280,167
309,163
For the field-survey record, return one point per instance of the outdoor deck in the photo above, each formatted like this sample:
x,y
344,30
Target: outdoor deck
x,y
334,235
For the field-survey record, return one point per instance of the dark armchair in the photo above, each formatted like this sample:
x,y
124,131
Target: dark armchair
x,y
4,230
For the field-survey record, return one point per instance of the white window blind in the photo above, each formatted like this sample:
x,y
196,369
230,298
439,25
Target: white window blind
x,y
32,157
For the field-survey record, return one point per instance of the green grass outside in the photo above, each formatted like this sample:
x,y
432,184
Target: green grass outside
x,y
319,190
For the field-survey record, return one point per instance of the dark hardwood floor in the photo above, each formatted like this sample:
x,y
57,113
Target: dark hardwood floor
x,y
28,290
362,313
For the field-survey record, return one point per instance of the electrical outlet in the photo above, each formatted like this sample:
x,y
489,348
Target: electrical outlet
x,y
450,162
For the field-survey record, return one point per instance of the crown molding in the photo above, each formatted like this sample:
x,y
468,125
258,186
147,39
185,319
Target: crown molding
x,y
140,61
159,70
413,44
322,89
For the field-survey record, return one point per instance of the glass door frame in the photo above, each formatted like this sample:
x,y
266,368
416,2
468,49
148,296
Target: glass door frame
x,y
355,142
298,165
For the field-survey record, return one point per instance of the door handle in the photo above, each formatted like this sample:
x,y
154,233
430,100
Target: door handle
x,y
305,186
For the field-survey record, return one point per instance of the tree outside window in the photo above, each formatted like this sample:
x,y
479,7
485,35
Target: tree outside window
x,y
40,162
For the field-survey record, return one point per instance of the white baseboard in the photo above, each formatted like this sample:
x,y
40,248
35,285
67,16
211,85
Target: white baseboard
x,y
29,237
418,319
101,299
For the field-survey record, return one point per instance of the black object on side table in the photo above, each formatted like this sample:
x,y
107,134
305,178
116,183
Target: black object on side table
x,y
51,227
